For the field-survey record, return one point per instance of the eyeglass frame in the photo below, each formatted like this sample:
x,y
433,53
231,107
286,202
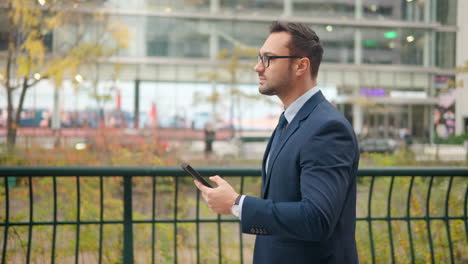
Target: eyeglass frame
x,y
269,57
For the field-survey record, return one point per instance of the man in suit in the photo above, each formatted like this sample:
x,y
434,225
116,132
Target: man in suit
x,y
307,212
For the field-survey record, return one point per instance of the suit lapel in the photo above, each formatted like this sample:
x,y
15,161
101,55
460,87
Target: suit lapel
x,y
265,156
303,113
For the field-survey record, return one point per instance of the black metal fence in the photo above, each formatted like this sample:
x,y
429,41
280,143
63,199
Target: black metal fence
x,y
155,215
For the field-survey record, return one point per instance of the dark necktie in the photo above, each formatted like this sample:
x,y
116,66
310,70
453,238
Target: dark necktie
x,y
279,131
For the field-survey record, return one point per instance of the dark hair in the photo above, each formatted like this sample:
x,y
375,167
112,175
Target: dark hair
x,y
304,42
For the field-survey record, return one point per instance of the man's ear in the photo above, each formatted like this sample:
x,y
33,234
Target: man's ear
x,y
303,66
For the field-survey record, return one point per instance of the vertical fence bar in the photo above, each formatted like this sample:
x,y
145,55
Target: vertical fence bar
x,y
428,218
153,218
369,218
220,251
408,218
197,216
446,220
176,198
466,211
7,220
31,219
128,227
78,219
101,216
241,241
389,218
54,227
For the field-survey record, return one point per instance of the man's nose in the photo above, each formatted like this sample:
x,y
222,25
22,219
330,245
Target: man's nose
x,y
259,67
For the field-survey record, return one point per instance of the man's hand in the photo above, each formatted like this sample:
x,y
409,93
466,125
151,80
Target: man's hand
x,y
220,198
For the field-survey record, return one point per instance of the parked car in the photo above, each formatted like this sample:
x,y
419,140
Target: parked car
x,y
378,145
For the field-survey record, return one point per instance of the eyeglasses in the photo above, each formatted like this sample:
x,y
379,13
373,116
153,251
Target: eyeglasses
x,y
265,59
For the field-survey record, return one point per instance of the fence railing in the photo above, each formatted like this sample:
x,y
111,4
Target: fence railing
x,y
155,215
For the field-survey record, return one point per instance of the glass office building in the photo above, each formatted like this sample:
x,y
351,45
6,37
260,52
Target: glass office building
x,y
386,60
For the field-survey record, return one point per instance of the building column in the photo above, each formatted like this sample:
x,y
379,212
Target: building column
x,y
357,46
214,43
287,7
358,10
427,11
461,108
358,114
214,6
357,119
358,34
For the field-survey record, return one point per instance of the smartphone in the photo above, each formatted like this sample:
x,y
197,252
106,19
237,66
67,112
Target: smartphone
x,y
195,175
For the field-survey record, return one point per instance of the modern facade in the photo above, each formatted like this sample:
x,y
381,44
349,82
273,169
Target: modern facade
x,y
387,61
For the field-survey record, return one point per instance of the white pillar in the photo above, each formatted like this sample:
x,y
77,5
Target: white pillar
x,y
358,9
357,46
287,7
357,119
214,42
461,107
358,114
428,5
214,6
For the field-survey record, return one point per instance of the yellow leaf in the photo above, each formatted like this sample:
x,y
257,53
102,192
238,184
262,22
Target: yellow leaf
x,y
24,66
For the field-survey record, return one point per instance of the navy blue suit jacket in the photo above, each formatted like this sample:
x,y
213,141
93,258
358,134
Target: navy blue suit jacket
x,y
307,211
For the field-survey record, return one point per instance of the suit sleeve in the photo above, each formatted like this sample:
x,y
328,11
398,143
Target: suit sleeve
x,y
327,161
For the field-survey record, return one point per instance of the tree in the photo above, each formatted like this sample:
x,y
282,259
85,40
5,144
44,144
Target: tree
x,y
50,40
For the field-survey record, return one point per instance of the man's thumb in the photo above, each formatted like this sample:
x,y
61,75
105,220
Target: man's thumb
x,y
217,179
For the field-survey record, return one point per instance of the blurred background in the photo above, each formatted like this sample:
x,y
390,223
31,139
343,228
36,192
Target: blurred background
x,y
146,77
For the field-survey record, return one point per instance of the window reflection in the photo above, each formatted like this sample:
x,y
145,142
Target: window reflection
x,y
178,5
406,10
252,6
393,46
198,38
338,43
179,38
446,12
320,8
445,49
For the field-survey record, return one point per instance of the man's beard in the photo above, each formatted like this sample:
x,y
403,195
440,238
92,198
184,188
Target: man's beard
x,y
274,89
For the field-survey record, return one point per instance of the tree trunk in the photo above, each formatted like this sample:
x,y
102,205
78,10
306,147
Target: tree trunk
x,y
11,124
11,134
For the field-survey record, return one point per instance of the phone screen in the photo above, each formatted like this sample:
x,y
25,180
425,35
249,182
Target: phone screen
x,y
195,175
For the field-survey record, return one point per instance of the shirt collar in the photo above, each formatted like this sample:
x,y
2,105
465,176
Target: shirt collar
x,y
294,108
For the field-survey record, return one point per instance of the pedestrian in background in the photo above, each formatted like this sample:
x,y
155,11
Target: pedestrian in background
x,y
210,136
